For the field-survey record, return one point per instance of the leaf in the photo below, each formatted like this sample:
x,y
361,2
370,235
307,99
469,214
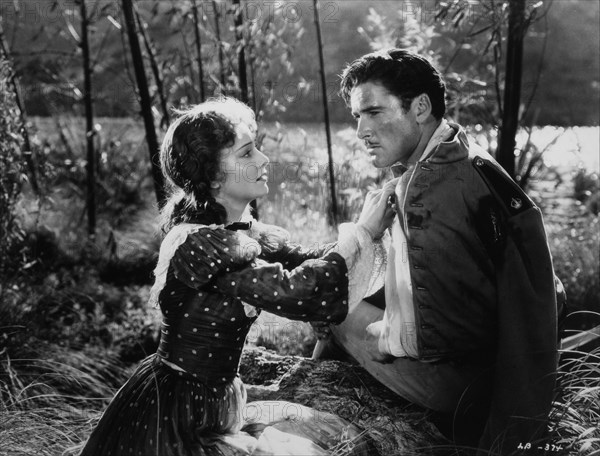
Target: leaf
x,y
73,32
114,22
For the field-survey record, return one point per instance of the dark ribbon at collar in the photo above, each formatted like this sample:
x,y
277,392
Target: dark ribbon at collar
x,y
398,169
239,226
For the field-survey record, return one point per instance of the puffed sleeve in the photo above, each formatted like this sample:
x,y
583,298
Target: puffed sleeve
x,y
293,255
208,252
276,246
316,290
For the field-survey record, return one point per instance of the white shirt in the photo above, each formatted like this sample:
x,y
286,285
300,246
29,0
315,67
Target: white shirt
x,y
397,330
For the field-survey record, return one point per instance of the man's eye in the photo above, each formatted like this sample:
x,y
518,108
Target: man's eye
x,y
247,153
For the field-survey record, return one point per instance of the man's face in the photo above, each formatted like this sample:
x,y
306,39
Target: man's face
x,y
389,133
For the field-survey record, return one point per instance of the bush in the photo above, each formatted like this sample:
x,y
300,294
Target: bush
x,y
575,251
122,168
586,189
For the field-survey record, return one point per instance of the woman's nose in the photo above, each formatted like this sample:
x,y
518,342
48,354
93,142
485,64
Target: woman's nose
x,y
263,159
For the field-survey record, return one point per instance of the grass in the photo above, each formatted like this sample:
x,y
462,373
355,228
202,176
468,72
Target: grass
x,y
576,413
58,372
49,403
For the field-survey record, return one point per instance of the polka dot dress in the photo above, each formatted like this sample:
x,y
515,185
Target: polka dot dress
x,y
182,398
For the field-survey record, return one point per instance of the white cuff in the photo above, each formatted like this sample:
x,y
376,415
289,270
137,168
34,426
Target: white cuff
x,y
359,252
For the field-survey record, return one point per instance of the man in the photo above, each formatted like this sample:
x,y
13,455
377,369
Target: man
x,y
469,328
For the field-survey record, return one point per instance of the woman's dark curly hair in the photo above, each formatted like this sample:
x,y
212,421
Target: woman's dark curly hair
x,y
190,159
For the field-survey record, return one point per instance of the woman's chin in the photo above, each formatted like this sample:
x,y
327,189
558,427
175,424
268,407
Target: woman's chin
x,y
263,190
259,193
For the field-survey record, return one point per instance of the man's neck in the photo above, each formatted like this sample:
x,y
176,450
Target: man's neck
x,y
428,130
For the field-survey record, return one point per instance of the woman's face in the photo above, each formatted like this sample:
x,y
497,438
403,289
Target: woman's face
x,y
244,168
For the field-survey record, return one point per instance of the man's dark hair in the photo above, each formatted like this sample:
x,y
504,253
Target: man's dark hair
x,y
403,73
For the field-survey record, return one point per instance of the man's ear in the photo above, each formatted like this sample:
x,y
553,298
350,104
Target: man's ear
x,y
422,107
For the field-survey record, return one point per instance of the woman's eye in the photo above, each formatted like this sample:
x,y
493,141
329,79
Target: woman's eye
x,y
247,153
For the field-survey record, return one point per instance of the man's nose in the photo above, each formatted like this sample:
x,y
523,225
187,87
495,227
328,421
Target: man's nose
x,y
363,129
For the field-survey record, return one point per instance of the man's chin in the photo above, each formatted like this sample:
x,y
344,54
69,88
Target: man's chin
x,y
378,163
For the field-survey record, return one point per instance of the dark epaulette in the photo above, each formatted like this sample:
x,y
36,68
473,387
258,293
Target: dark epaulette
x,y
506,191
513,201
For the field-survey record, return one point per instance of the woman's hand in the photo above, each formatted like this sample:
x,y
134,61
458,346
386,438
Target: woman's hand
x,y
322,330
377,215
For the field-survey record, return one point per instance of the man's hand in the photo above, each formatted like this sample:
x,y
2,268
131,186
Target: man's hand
x,y
373,332
377,215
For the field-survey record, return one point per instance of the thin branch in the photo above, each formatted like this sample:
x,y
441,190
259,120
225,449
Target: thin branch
x,y
219,44
165,121
89,121
198,50
539,70
460,46
497,78
125,46
189,60
334,207
100,47
44,52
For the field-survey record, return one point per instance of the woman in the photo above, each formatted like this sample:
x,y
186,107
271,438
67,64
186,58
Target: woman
x,y
217,268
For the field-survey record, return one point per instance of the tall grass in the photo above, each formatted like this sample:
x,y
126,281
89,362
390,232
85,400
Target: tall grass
x,y
575,418
49,404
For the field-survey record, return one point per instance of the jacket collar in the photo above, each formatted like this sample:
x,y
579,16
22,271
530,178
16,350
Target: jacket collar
x,y
454,149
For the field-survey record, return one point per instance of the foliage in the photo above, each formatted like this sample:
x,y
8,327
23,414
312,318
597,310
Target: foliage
x,y
47,62
586,189
122,177
576,256
61,299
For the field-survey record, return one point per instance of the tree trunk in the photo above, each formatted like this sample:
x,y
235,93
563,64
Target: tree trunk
x,y
253,87
89,122
145,101
198,50
334,208
28,152
239,37
166,120
219,45
512,86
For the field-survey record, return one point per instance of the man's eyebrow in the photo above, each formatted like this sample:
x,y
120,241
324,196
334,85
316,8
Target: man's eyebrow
x,y
367,109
